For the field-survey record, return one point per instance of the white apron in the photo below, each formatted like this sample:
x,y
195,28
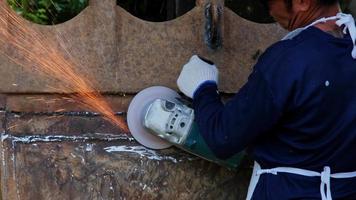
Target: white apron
x,y
325,190
325,175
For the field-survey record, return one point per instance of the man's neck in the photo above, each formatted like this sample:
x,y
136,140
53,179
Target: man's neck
x,y
330,26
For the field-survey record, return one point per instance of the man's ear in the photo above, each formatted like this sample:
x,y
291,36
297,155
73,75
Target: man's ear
x,y
301,5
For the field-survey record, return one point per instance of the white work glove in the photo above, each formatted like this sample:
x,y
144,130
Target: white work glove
x,y
195,73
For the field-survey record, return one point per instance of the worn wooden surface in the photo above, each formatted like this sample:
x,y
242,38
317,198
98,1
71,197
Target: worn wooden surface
x,y
73,154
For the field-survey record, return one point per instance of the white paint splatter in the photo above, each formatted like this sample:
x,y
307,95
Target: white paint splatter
x,y
47,138
142,151
4,137
59,138
89,147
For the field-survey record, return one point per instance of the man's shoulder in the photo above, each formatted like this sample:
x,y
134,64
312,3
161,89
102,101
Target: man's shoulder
x,y
286,54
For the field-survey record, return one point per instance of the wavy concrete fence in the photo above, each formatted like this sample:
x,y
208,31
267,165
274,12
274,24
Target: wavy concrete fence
x,y
127,54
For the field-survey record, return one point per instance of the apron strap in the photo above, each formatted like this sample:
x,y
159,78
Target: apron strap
x,y
325,183
348,22
325,175
342,19
254,180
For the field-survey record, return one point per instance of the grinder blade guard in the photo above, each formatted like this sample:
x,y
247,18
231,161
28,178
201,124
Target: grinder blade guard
x,y
168,119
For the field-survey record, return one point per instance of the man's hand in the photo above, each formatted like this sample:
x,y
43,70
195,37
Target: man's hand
x,y
196,72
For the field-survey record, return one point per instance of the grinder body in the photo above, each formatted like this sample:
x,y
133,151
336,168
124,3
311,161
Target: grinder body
x,y
173,121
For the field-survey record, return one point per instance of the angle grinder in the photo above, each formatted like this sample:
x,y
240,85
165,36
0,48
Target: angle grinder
x,y
158,118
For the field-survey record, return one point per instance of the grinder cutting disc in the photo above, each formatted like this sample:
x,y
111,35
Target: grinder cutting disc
x,y
137,111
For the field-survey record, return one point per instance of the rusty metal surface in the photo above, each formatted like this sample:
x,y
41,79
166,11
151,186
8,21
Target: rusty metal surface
x,y
75,170
126,54
45,155
58,103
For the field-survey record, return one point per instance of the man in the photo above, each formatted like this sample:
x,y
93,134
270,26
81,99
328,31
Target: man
x,y
296,115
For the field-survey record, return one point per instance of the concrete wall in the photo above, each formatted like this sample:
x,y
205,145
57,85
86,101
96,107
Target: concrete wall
x,y
127,54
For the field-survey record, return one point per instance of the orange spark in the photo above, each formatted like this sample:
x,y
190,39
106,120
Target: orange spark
x,y
34,51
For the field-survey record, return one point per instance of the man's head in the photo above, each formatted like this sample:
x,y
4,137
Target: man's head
x,y
292,14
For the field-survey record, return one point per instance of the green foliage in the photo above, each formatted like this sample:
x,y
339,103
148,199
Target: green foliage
x,y
48,11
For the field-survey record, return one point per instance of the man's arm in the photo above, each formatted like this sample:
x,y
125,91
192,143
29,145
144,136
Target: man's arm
x,y
230,128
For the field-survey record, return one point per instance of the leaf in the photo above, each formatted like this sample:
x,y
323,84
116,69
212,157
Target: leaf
x,y
48,11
